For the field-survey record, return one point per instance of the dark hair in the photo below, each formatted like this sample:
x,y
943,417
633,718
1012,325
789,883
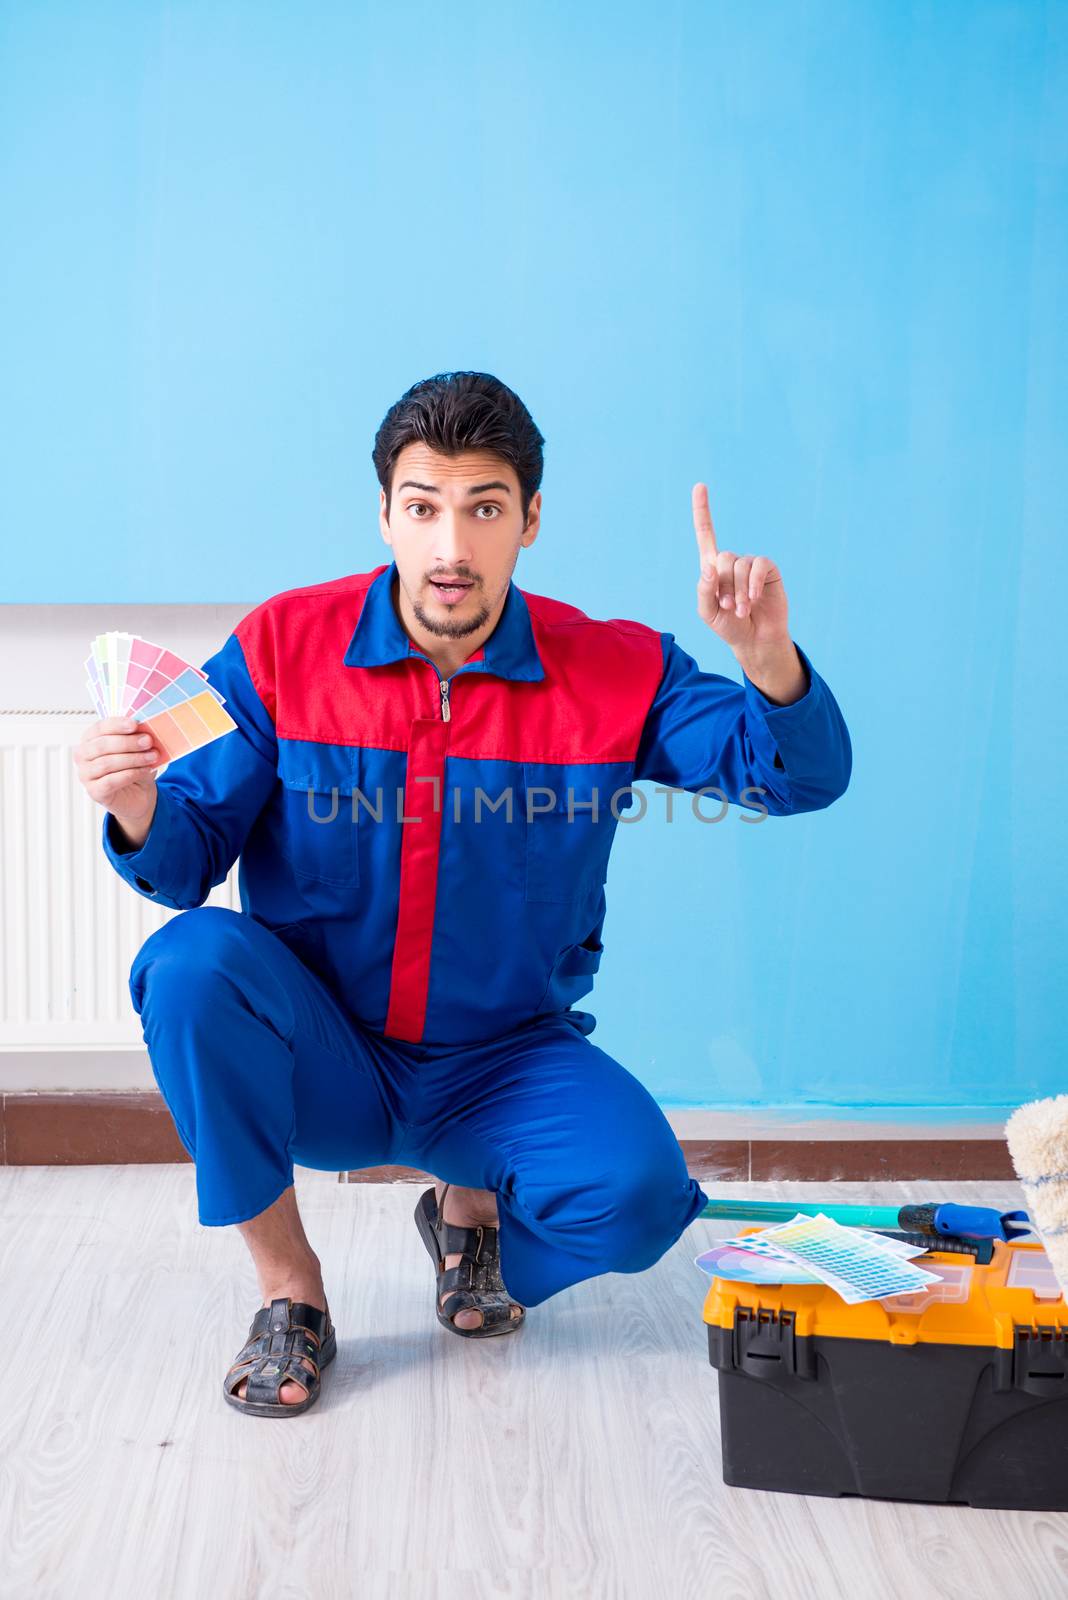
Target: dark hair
x,y
457,411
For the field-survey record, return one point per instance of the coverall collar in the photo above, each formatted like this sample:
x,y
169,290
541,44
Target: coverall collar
x,y
510,650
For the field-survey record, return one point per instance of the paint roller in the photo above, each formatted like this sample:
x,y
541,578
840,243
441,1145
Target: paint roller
x,y
1037,1137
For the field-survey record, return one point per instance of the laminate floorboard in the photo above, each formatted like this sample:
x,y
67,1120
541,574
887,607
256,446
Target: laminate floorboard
x,y
578,1458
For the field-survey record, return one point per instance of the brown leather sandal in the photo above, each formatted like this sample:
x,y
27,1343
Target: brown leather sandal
x,y
282,1335
476,1282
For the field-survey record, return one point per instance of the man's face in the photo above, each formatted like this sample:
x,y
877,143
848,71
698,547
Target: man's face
x,y
455,517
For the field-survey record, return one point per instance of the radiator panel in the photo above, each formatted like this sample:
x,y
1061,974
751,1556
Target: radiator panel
x,y
69,926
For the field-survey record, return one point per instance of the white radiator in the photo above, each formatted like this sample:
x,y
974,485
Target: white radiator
x,y
69,926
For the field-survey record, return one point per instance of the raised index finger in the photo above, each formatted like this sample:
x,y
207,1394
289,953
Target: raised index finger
x,y
702,522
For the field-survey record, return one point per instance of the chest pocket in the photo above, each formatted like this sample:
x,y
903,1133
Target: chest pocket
x,y
567,858
319,831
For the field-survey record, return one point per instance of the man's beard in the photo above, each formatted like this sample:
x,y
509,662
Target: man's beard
x,y
445,627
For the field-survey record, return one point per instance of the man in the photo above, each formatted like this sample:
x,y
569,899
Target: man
x,y
423,786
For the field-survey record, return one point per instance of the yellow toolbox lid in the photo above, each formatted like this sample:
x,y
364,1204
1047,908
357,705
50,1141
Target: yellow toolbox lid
x,y
972,1304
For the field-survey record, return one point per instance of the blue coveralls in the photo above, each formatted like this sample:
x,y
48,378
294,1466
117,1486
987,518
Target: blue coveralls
x,y
402,991
261,1067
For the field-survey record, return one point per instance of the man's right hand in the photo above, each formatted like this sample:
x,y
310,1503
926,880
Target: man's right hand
x,y
116,763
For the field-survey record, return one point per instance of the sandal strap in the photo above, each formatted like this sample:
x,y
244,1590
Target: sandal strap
x,y
266,1378
283,1315
484,1279
478,1244
279,1345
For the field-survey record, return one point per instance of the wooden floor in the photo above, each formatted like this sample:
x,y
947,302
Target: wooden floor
x,y
578,1458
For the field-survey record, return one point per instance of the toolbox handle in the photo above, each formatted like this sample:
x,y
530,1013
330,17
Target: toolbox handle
x,y
763,1344
1036,1364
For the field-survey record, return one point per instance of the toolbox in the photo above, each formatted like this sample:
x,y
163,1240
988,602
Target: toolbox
x,y
957,1394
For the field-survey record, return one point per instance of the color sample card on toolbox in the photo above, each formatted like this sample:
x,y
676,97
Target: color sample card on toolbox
x,y
855,1268
128,676
750,1258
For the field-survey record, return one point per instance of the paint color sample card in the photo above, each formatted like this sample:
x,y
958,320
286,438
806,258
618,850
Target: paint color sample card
x,y
128,676
855,1268
751,1258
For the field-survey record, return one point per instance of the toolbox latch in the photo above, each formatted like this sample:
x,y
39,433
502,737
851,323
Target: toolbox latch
x,y
765,1345
1037,1363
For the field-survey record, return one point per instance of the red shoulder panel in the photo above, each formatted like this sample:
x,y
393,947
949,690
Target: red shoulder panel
x,y
289,639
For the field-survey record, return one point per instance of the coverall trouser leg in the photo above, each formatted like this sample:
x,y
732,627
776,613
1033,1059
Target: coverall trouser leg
x,y
262,1067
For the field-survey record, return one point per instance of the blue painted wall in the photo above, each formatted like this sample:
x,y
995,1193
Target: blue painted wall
x,y
811,253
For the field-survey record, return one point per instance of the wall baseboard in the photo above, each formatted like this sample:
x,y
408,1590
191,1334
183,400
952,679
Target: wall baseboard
x,y
113,1128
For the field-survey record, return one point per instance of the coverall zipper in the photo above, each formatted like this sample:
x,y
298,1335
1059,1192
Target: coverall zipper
x,y
443,684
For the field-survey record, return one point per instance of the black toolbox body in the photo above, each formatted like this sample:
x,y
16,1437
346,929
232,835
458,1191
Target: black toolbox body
x,y
957,1397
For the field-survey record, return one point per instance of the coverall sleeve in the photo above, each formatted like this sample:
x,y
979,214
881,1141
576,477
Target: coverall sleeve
x,y
206,801
705,730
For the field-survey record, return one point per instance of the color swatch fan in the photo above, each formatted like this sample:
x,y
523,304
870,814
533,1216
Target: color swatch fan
x,y
132,677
